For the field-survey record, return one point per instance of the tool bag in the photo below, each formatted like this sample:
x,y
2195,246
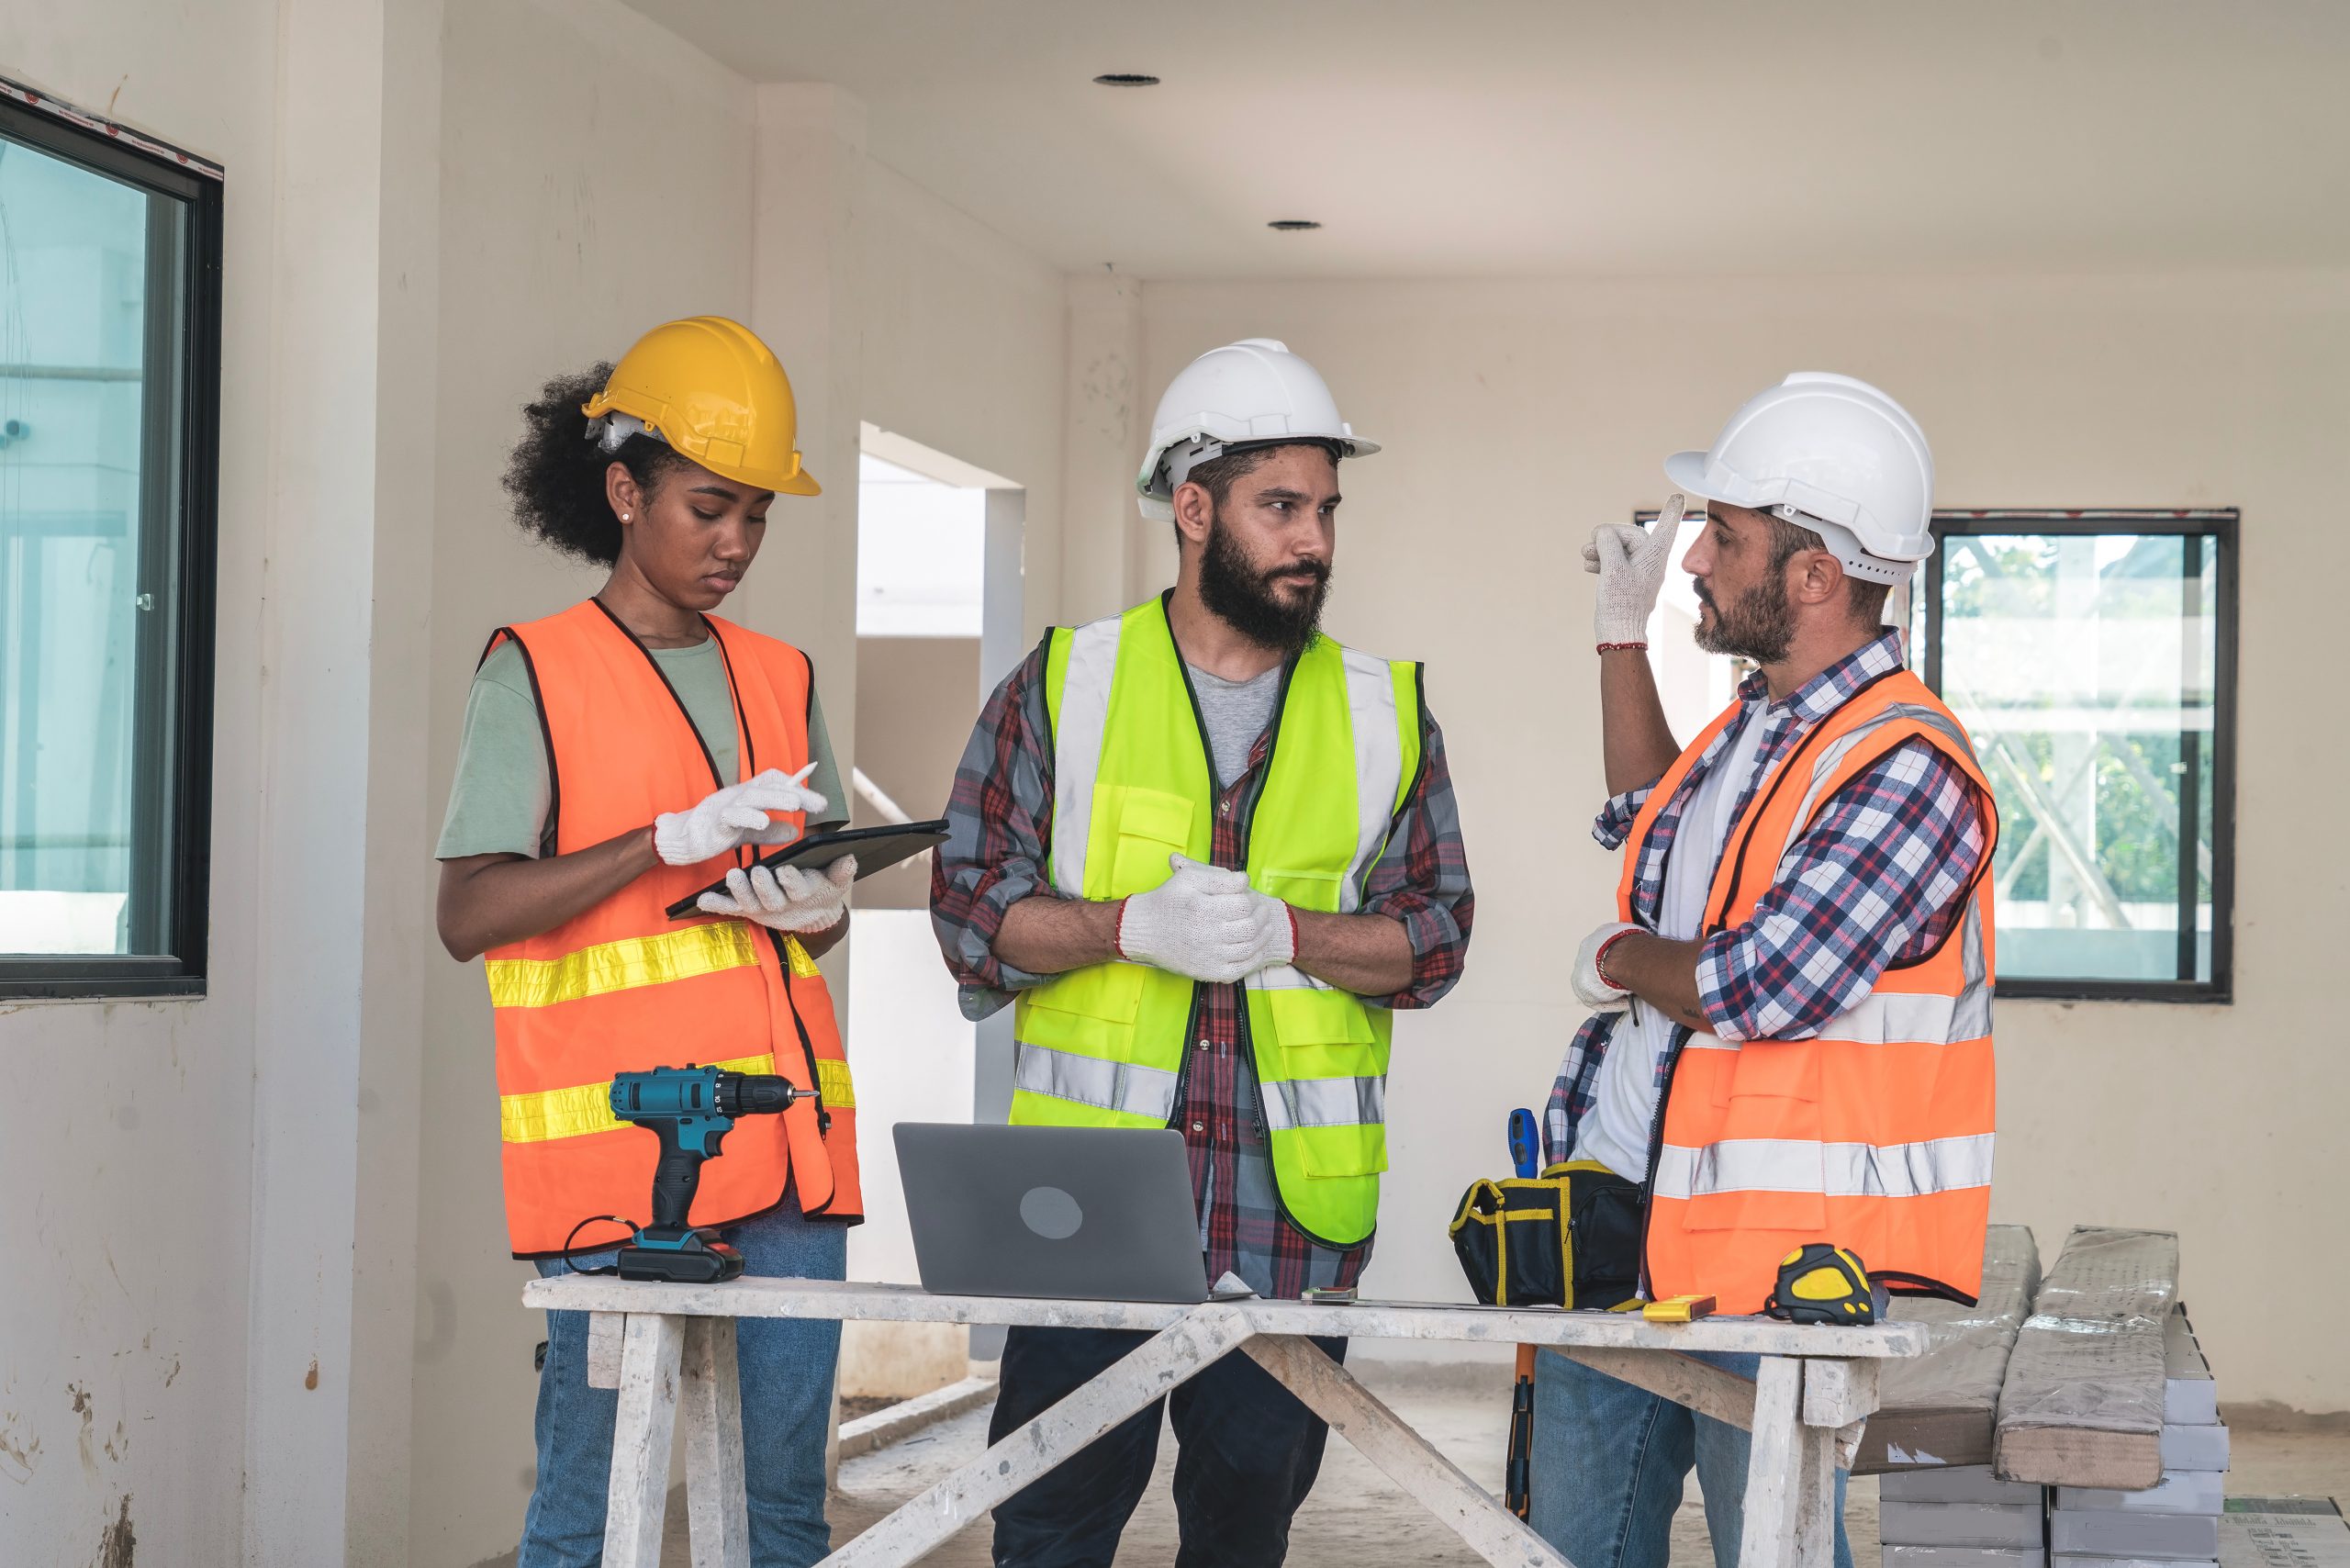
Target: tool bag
x,y
1568,1238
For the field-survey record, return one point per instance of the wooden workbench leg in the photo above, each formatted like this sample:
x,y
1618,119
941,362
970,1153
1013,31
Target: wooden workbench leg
x,y
1381,1437
1173,1356
650,1353
1773,1467
1838,1396
716,1514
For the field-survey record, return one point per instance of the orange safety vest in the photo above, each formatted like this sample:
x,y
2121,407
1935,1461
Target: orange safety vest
x,y
623,987
1875,1135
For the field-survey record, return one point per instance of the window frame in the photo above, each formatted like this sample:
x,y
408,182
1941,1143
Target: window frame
x,y
172,793
2219,523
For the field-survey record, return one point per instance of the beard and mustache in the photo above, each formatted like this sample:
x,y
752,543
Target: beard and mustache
x,y
1248,600
1759,625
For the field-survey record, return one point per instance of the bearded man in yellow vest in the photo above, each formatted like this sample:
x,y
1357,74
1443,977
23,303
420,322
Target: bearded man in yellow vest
x,y
1209,851
1792,1040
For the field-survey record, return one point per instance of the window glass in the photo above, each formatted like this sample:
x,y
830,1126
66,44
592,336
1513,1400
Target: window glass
x,y
92,300
2085,665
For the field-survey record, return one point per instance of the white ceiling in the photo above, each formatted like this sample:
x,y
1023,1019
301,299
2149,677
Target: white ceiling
x,y
1447,137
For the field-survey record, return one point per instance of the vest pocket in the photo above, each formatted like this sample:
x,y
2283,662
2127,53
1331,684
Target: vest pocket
x,y
1091,1010
1358,1150
1146,827
1316,890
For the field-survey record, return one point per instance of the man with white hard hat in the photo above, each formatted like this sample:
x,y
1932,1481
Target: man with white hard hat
x,y
1791,1036
1208,852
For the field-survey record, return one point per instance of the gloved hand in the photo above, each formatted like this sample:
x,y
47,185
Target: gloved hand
x,y
1590,988
788,900
1207,925
1631,563
735,815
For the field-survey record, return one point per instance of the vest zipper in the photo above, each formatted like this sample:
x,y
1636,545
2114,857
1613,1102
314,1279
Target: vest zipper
x,y
1681,1035
806,1046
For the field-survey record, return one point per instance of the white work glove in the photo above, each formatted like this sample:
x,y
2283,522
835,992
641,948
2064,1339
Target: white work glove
x,y
1591,990
735,815
1631,563
789,900
1206,923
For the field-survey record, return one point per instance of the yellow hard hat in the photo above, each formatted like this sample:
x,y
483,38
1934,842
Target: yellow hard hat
x,y
708,387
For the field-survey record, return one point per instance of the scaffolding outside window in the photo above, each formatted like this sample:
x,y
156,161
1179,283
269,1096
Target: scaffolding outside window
x,y
109,321
2091,655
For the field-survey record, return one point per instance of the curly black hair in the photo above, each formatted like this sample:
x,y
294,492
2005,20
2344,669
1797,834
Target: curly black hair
x,y
556,475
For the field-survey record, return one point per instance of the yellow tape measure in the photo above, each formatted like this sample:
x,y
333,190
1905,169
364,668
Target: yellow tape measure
x,y
1820,1283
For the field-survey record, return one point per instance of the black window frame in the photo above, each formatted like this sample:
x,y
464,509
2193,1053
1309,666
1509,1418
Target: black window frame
x,y
174,800
2220,523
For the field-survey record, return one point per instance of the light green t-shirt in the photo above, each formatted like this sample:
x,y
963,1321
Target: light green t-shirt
x,y
498,805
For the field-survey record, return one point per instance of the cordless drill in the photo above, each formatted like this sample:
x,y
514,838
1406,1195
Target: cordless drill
x,y
692,1109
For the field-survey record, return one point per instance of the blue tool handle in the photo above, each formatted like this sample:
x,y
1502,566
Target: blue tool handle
x,y
1525,1144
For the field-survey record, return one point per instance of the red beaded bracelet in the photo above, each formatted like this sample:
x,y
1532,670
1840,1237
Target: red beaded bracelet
x,y
1599,959
1623,647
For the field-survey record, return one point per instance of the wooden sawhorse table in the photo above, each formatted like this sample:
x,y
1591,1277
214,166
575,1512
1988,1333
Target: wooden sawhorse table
x,y
661,1344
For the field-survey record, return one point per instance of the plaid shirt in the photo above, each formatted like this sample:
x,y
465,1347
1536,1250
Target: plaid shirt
x,y
1880,875
999,821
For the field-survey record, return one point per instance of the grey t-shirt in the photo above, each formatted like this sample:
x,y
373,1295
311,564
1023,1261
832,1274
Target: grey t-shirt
x,y
1236,712
498,804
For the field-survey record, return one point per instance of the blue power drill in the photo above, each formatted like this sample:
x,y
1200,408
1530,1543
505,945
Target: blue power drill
x,y
692,1109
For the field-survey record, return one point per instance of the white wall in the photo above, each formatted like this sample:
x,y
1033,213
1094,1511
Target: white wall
x,y
123,1371
1517,415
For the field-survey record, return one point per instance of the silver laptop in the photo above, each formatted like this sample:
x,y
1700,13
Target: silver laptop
x,y
1095,1214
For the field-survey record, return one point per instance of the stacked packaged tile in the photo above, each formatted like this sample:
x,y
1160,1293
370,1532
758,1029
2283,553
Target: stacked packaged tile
x,y
1937,1410
1940,1505
1961,1517
2175,1523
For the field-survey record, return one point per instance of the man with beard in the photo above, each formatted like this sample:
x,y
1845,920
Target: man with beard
x,y
1792,1040
1209,851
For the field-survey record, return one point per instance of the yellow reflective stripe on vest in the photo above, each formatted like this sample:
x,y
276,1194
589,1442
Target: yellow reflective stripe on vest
x,y
834,1084
1127,1088
802,966
1080,669
586,1108
622,965
1831,1170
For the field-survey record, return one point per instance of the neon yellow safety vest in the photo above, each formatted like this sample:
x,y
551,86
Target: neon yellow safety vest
x,y
1105,1046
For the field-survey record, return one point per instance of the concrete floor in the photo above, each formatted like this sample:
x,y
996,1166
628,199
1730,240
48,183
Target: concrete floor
x,y
1357,1519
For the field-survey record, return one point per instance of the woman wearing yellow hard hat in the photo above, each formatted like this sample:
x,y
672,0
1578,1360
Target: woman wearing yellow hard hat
x,y
617,758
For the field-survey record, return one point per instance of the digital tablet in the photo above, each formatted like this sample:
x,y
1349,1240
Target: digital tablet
x,y
876,848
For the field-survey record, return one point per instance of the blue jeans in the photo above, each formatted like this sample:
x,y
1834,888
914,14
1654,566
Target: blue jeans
x,y
1609,1460
787,1375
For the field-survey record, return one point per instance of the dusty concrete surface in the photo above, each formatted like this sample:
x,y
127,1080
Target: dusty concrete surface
x,y
1358,1520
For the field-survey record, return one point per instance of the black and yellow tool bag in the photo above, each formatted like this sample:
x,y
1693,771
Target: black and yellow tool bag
x,y
1570,1237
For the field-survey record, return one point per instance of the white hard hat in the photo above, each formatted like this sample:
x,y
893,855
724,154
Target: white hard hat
x,y
1834,455
1251,393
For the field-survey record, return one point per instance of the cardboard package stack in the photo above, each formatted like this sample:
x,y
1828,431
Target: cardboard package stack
x,y
1961,1517
2172,1524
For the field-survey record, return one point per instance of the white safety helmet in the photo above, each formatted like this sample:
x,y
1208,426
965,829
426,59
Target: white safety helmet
x,y
1251,393
1832,455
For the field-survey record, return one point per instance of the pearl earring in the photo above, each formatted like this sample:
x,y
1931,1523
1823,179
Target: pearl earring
x,y
623,517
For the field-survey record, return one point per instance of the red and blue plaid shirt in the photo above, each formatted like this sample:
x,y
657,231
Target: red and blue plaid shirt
x,y
1000,833
1881,875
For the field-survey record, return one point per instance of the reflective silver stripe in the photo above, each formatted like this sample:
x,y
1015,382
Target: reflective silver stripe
x,y
1125,1087
1831,1170
1379,765
1832,756
1286,977
1325,1102
1973,1021
1076,748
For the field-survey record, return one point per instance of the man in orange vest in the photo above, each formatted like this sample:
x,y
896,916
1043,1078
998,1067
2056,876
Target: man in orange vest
x,y
617,758
1792,1031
